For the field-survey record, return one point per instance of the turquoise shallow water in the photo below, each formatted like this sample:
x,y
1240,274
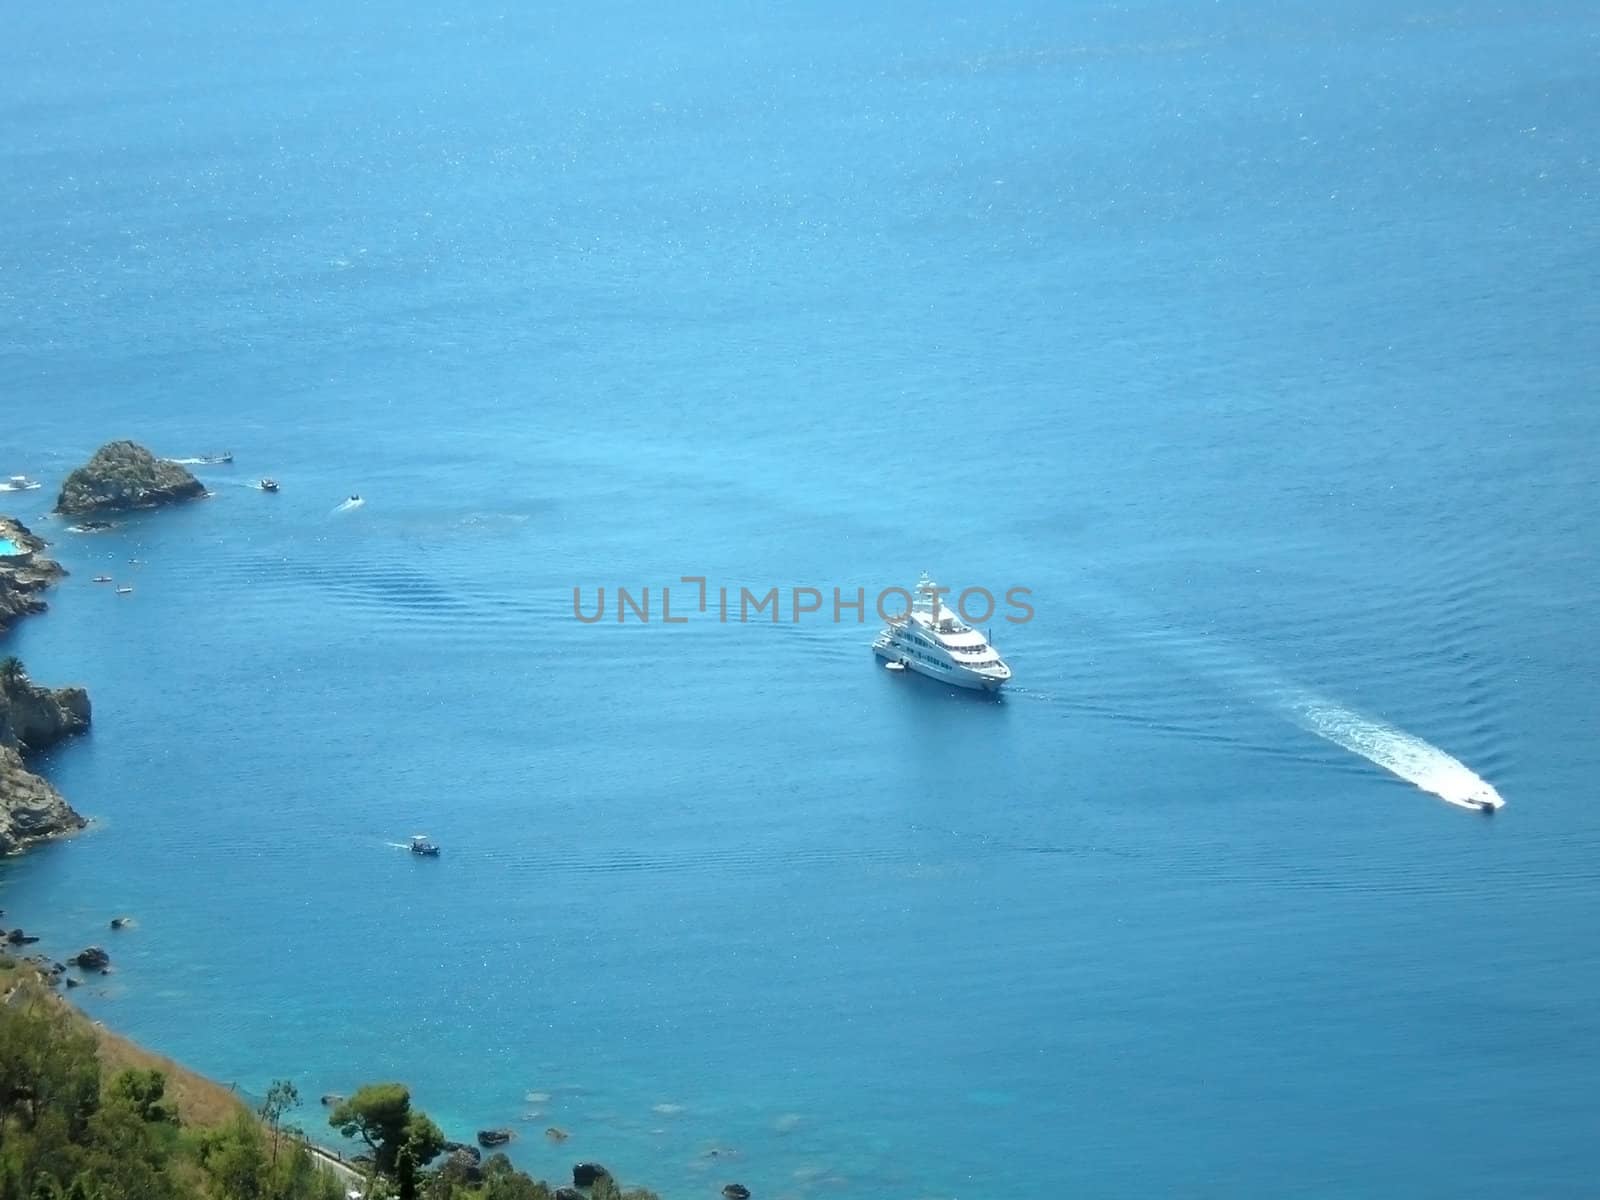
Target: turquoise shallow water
x,y
1254,340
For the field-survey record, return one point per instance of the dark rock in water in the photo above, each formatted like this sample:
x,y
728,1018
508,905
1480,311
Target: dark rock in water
x,y
17,938
332,1098
122,476
72,983
120,922
584,1174
493,1137
736,1191
556,1135
93,959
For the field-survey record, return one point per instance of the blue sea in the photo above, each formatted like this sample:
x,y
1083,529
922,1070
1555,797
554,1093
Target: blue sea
x,y
1256,341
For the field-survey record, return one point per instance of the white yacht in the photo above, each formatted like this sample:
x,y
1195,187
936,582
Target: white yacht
x,y
932,639
21,483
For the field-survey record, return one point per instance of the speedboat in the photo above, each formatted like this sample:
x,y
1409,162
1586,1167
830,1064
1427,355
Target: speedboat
x,y
102,579
421,845
894,664
268,485
21,483
212,460
124,590
354,499
932,640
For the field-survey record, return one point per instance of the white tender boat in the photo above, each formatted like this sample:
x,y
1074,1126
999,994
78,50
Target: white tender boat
x,y
21,483
932,640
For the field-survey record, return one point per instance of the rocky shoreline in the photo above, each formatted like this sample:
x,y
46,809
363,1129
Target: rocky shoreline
x,y
120,476
25,575
32,718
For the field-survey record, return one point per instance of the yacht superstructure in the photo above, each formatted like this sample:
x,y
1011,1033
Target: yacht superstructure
x,y
933,640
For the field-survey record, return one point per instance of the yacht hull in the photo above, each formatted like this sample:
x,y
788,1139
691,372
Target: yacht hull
x,y
954,676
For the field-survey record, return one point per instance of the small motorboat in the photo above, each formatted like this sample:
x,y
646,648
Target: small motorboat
x,y
893,665
102,579
124,590
212,460
355,499
268,485
21,483
421,845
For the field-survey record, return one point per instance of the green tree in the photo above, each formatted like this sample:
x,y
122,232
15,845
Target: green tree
x,y
405,1175
236,1159
47,1064
144,1091
12,672
281,1097
127,1157
380,1114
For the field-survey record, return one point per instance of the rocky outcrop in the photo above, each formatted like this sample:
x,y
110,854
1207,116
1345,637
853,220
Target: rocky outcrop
x,y
462,1163
122,476
30,809
32,718
92,959
736,1191
585,1174
493,1137
23,576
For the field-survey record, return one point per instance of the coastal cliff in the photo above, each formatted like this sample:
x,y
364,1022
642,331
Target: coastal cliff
x,y
123,476
24,574
31,719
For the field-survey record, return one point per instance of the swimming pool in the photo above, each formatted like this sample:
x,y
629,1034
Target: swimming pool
x,y
9,549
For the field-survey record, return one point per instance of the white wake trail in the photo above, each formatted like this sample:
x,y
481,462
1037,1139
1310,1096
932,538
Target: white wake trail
x,y
1396,751
348,505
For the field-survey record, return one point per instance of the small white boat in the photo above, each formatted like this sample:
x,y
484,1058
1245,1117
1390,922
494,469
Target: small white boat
x,y
21,483
894,665
102,579
124,590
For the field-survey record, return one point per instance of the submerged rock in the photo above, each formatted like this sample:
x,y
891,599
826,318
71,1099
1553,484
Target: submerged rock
x,y
122,476
556,1135
736,1191
493,1137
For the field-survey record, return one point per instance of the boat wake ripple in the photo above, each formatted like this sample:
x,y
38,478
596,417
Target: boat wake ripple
x,y
348,505
1402,754
1396,751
